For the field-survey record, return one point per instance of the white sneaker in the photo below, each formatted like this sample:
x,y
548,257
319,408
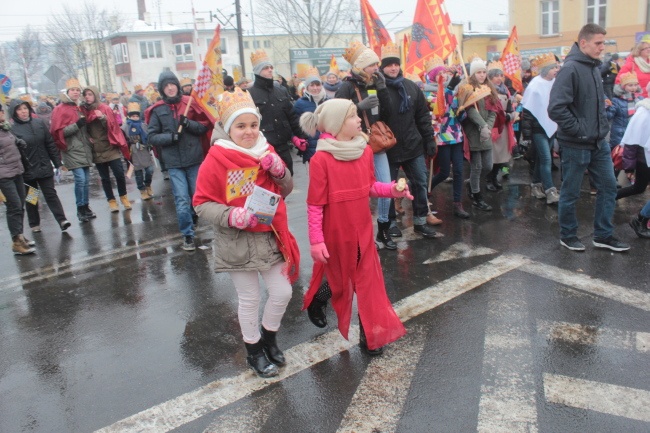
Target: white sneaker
x,y
537,191
552,196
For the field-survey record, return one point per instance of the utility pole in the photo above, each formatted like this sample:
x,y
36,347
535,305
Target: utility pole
x,y
240,37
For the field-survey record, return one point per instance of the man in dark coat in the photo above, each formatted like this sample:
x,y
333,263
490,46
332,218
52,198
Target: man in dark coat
x,y
577,105
279,122
609,71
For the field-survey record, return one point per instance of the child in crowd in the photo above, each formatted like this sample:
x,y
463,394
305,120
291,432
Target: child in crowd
x,y
136,132
622,106
244,248
341,177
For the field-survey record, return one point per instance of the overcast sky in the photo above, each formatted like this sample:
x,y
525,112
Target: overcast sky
x,y
395,14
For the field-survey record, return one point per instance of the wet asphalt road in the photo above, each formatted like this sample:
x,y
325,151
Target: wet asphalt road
x,y
112,326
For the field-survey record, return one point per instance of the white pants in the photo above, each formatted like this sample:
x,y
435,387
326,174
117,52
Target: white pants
x,y
247,285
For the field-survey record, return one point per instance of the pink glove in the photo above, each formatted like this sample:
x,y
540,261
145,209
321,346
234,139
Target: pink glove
x,y
300,143
319,252
404,193
273,164
241,218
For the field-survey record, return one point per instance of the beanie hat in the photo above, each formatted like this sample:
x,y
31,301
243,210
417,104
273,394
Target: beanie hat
x,y
260,60
328,117
389,54
234,104
476,65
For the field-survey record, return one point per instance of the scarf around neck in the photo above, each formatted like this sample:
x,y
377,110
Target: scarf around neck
x,y
318,97
342,150
261,146
398,83
332,87
642,64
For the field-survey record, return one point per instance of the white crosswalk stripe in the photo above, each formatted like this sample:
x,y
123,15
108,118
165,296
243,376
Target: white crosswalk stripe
x,y
593,335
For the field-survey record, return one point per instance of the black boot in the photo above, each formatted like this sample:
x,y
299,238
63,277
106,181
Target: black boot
x,y
459,211
384,237
89,212
491,181
81,214
479,203
258,361
640,226
364,345
316,310
271,347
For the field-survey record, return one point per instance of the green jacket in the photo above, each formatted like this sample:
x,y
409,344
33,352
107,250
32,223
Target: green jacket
x,y
473,123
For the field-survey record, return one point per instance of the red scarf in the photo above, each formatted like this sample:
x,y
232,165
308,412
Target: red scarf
x,y
211,187
64,114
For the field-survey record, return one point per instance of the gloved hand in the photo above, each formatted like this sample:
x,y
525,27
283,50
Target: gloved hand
x,y
22,144
395,190
319,252
81,122
300,143
379,81
274,165
432,148
485,133
184,121
175,137
241,218
371,101
453,82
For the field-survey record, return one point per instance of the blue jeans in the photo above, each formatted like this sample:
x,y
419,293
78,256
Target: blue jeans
x,y
645,212
143,177
542,171
382,174
81,184
416,172
183,185
450,153
601,172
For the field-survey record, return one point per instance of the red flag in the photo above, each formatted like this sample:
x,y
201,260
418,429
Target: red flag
x,y
377,34
430,35
511,59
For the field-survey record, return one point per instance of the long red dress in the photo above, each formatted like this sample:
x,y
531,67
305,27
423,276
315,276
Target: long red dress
x,y
342,188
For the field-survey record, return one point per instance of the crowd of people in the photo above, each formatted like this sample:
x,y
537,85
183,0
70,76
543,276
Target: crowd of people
x,y
565,109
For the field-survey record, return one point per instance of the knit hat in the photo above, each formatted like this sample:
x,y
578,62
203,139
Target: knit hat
x,y
312,75
72,83
168,77
133,108
260,60
360,56
328,117
234,104
476,65
389,54
629,78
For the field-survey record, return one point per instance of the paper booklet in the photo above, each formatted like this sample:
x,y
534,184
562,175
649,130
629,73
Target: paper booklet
x,y
263,203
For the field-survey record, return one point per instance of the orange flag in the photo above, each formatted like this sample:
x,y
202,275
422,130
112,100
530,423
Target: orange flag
x,y
430,35
334,66
511,59
377,34
209,82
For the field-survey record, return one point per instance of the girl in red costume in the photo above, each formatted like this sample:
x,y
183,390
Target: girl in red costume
x,y
244,248
341,178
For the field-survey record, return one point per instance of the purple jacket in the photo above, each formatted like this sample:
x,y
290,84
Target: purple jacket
x,y
633,154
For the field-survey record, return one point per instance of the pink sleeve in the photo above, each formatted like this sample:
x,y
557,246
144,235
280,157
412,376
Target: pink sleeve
x,y
315,224
381,189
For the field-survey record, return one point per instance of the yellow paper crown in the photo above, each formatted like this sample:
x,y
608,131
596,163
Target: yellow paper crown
x,y
352,52
72,83
230,102
413,77
496,64
137,88
542,60
133,107
259,56
433,62
629,78
186,82
468,95
389,50
308,72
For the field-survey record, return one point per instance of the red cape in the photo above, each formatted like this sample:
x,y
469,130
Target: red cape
x,y
63,115
115,134
211,187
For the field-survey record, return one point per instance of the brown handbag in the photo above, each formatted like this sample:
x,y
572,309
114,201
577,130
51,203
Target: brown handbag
x,y
380,137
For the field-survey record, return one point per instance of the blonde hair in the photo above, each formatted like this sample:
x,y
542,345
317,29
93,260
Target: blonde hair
x,y
636,51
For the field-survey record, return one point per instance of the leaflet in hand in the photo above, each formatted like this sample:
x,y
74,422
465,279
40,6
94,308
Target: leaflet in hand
x,y
263,203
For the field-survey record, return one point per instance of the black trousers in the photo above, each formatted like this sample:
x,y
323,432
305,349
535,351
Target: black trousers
x,y
118,171
48,192
14,191
641,181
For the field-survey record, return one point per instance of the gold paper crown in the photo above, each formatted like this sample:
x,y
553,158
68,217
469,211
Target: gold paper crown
x,y
27,98
186,82
259,56
413,77
72,83
468,95
352,52
133,107
111,96
541,60
309,72
229,102
629,78
432,62
137,88
389,50
496,64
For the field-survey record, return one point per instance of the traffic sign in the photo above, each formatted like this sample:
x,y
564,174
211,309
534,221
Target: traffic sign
x,y
6,84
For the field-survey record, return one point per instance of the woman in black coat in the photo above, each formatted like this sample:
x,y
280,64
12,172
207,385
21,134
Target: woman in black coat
x,y
40,154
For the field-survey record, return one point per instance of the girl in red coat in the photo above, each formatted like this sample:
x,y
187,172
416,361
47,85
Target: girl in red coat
x,y
341,178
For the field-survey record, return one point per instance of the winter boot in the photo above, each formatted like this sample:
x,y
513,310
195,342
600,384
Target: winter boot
x,y
273,352
640,226
81,214
149,190
258,361
112,204
459,211
552,196
363,344
479,203
491,180
537,191
433,220
144,195
125,202
384,237
89,212
20,247
316,309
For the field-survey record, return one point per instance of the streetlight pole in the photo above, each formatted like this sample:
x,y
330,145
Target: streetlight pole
x,y
311,26
240,37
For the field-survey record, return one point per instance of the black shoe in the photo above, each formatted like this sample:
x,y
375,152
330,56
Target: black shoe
x,y
316,313
477,202
271,348
611,243
364,345
490,187
258,361
425,230
81,214
459,211
383,235
395,232
573,244
188,244
640,227
89,212
65,224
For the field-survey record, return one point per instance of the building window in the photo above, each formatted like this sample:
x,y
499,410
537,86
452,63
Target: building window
x,y
246,45
151,50
256,44
267,43
224,46
120,53
550,17
596,12
183,53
